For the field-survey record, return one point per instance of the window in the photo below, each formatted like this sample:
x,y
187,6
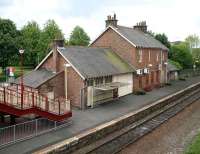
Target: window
x,y
157,76
152,77
90,82
108,79
140,55
147,79
99,81
149,55
157,57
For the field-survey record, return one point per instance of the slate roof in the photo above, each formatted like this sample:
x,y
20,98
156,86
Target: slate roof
x,y
171,67
139,38
36,77
95,62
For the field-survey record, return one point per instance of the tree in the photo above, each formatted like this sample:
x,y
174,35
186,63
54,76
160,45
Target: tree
x,y
30,39
193,41
196,56
50,32
79,37
181,53
163,39
8,42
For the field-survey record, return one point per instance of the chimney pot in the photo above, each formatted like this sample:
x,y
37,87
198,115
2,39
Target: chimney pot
x,y
111,21
141,26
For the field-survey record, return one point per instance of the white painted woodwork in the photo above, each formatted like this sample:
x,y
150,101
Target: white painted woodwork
x,y
124,78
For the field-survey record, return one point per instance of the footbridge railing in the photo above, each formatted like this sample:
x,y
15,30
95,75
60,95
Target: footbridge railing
x,y
31,101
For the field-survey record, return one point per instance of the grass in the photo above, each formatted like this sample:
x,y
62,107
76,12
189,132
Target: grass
x,y
194,148
17,72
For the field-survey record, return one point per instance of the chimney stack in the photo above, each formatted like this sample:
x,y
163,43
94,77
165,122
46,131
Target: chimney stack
x,y
111,21
141,26
56,43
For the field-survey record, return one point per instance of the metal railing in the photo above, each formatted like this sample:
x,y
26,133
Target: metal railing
x,y
31,98
189,72
29,129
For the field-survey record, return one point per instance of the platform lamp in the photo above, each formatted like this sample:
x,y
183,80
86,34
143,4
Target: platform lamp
x,y
22,82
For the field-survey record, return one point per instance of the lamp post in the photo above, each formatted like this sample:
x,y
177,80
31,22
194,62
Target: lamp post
x,y
22,83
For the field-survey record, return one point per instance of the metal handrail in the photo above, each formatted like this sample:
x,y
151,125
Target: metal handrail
x,y
32,99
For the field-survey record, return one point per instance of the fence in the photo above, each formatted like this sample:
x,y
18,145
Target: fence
x,y
31,98
189,72
28,129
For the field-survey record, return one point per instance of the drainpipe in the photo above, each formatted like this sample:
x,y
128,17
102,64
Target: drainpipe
x,y
65,79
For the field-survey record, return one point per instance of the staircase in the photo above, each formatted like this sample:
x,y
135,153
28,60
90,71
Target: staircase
x,y
13,102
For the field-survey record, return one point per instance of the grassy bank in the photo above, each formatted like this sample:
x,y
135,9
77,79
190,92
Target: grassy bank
x,y
17,72
194,148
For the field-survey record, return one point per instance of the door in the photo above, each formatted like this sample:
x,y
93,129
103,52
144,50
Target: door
x,y
115,93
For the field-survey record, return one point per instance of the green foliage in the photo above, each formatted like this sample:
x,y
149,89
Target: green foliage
x,y
163,39
8,42
194,148
196,56
182,79
50,32
177,64
79,37
193,41
139,92
31,34
181,54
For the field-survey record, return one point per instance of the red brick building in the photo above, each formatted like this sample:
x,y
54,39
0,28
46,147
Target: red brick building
x,y
139,49
118,62
84,75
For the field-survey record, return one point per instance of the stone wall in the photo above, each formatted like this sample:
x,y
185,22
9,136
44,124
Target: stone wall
x,y
88,137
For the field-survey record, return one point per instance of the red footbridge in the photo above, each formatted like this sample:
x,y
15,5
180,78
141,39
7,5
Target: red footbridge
x,y
15,102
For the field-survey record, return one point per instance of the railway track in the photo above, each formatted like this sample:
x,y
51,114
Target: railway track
x,y
116,141
114,135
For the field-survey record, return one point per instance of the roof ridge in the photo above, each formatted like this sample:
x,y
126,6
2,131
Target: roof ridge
x,y
84,47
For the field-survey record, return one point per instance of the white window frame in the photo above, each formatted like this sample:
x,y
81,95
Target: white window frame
x,y
163,57
157,57
140,55
149,55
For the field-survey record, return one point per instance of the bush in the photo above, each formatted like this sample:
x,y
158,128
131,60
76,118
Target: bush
x,y
158,85
168,84
177,64
139,92
182,79
148,88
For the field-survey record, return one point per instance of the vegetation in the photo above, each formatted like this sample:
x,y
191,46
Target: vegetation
x,y
182,79
139,92
17,72
163,39
177,64
35,41
168,84
79,37
9,42
181,54
185,54
194,148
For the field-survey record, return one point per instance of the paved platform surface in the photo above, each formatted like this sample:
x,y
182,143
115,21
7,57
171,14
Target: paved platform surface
x,y
89,118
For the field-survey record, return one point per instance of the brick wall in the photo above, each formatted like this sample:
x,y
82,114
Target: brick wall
x,y
48,64
129,53
74,85
55,84
111,39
